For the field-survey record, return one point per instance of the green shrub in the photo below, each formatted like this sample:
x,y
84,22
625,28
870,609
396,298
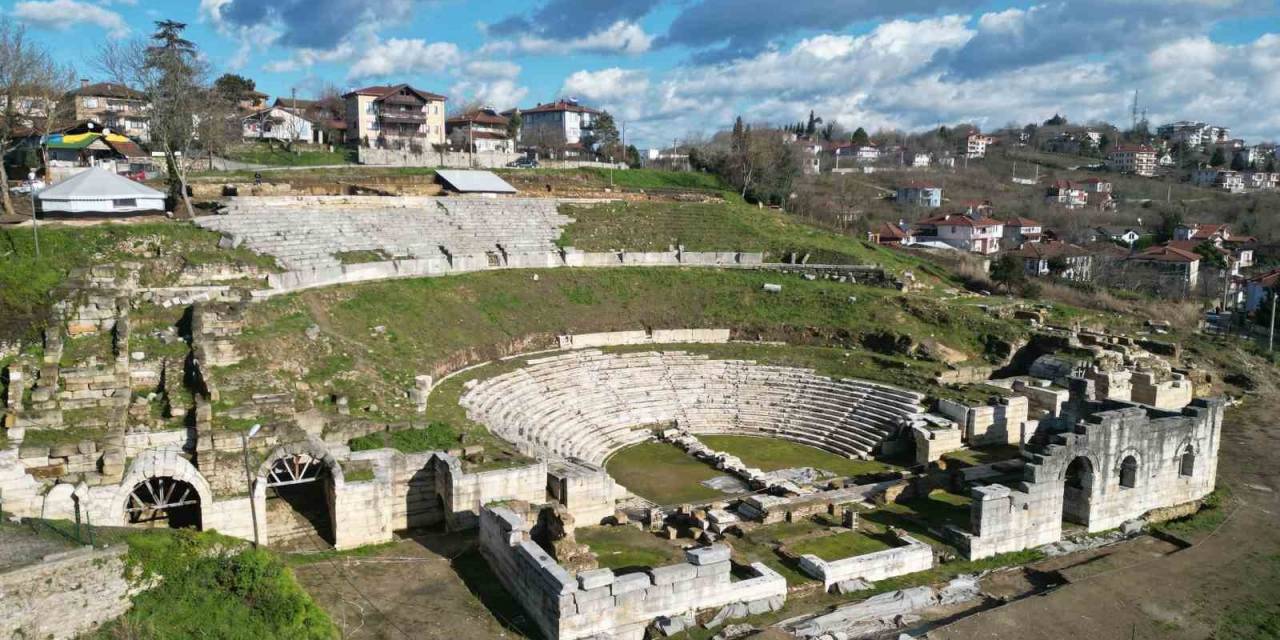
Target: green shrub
x,y
211,586
437,436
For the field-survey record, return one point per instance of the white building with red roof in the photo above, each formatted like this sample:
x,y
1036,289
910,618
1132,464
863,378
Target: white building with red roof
x,y
559,124
1138,159
966,232
395,116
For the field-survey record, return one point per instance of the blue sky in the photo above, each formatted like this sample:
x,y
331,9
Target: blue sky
x,y
675,68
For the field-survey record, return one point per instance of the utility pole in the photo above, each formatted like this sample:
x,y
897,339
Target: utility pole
x,y
1271,338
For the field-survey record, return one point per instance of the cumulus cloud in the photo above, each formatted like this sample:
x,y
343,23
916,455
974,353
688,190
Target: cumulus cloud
x,y
727,29
401,56
63,15
490,82
620,37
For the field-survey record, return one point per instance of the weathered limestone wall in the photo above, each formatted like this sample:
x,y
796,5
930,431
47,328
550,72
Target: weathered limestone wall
x,y
999,422
934,441
586,490
65,595
911,557
657,336
601,604
1170,394
1157,445
464,494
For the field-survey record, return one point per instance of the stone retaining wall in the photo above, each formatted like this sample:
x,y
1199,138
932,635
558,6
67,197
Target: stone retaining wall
x,y
911,557
463,160
65,595
601,604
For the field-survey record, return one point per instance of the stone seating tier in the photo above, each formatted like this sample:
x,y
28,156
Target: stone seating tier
x,y
310,236
588,404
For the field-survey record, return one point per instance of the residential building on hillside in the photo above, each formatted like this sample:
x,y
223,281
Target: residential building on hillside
x,y
556,125
975,146
1193,134
966,232
1261,180
252,101
275,123
1098,192
327,118
1138,159
1019,231
1165,270
920,194
1066,194
860,153
1060,259
891,235
1126,235
1226,180
481,130
1239,248
921,160
396,117
1259,289
117,107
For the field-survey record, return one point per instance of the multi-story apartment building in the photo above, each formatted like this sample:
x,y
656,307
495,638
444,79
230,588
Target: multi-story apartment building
x,y
397,117
975,146
482,131
1193,134
114,106
1139,159
966,232
560,124
1229,181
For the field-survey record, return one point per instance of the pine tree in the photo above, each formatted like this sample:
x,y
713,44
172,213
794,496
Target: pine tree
x,y
860,137
1218,159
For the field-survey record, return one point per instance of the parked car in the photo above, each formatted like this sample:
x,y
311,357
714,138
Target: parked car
x,y
523,163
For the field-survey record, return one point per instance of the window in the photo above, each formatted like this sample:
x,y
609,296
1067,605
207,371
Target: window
x,y
1129,472
125,203
91,103
1187,464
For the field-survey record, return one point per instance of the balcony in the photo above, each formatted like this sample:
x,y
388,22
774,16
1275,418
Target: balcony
x,y
402,117
412,101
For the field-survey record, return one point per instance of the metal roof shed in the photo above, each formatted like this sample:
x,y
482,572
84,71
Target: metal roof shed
x,y
474,182
96,190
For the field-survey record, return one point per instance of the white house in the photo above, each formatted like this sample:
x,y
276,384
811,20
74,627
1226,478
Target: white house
x,y
975,146
276,123
975,234
1067,194
921,160
559,123
919,194
1229,181
1139,159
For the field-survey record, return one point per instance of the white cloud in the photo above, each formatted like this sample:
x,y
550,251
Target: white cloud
x,y
490,82
405,56
607,85
492,69
621,37
66,14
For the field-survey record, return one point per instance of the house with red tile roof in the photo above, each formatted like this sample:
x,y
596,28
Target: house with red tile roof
x,y
1163,269
1019,231
890,234
1138,159
964,231
481,130
395,116
1067,194
1061,259
558,125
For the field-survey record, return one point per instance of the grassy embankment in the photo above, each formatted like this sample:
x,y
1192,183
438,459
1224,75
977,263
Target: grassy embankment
x,y
301,156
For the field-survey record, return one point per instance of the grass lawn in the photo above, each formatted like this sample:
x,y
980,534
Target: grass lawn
x,y
919,515
841,545
769,454
621,548
719,226
984,455
276,156
661,472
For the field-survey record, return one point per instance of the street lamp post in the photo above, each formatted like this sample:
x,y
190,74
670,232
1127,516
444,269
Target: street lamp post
x,y
248,477
35,225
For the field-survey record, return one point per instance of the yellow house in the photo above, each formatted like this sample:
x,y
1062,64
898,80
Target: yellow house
x,y
395,117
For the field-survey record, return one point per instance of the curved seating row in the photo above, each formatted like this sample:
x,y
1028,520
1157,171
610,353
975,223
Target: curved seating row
x,y
588,404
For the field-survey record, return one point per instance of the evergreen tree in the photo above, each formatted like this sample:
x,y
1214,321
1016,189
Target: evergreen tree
x,y
860,137
1218,159
812,127
1007,271
1238,163
232,87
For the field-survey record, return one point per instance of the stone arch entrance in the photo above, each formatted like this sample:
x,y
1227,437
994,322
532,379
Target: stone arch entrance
x,y
1077,490
163,501
296,487
161,489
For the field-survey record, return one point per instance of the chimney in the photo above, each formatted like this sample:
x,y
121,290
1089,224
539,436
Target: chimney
x,y
84,83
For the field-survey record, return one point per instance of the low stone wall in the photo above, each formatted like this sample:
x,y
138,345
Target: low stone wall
x,y
463,160
656,336
602,604
65,595
289,281
465,494
911,557
998,422
934,440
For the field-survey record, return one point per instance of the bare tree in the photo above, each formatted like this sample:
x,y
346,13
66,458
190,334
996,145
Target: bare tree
x,y
30,85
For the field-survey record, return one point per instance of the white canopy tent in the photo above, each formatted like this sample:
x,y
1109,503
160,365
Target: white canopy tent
x,y
96,190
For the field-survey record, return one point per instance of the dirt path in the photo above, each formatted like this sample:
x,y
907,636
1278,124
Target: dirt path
x,y
1183,595
431,586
